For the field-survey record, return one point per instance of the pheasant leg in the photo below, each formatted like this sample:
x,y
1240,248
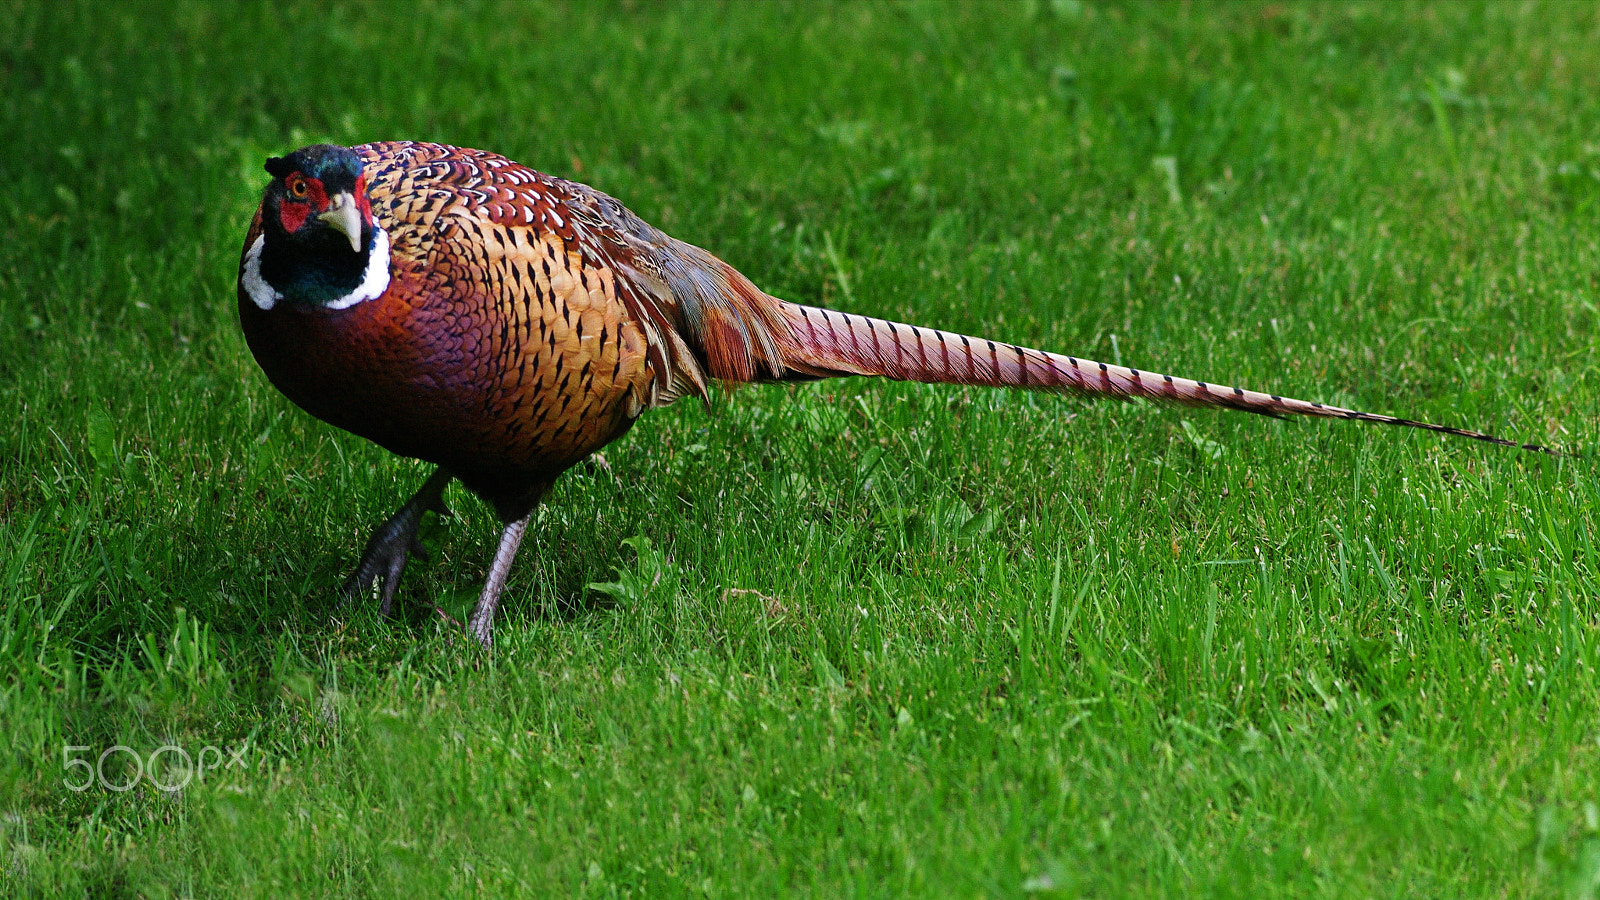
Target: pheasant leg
x,y
481,625
395,541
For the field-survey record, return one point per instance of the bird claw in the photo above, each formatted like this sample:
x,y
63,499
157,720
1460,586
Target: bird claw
x,y
384,560
393,544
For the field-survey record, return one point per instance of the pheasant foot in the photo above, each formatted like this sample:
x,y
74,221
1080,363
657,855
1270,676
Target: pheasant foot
x,y
394,542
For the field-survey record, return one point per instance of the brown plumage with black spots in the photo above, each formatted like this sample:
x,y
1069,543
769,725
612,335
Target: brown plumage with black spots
x,y
457,307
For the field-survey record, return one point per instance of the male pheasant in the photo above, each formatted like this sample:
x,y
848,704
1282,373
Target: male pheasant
x,y
457,307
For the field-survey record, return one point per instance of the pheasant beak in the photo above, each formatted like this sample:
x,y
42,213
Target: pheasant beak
x,y
343,216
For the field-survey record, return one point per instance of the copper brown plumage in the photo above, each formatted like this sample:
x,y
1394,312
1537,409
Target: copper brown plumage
x,y
455,306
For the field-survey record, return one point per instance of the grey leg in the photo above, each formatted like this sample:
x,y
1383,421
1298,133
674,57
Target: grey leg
x,y
481,625
394,542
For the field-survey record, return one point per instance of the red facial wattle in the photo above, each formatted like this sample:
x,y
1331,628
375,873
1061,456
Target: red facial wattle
x,y
302,197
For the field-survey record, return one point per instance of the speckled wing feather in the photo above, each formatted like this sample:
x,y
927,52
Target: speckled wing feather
x,y
541,340
700,318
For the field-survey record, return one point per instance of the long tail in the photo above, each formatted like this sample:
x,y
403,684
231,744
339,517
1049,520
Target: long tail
x,y
724,326
828,343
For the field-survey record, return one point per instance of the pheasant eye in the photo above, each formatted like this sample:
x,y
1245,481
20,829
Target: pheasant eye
x,y
297,187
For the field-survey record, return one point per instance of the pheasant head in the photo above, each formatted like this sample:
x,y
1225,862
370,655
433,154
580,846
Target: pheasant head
x,y
319,244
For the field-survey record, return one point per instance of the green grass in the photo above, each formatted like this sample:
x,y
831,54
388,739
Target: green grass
x,y
865,639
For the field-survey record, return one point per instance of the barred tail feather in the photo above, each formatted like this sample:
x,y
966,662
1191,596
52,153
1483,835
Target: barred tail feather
x,y
829,343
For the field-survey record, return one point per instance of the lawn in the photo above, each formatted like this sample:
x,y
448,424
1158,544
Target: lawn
x,y
852,638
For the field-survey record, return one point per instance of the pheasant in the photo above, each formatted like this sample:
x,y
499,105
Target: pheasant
x,y
457,307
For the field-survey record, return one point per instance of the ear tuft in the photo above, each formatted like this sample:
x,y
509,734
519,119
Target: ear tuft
x,y
279,167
